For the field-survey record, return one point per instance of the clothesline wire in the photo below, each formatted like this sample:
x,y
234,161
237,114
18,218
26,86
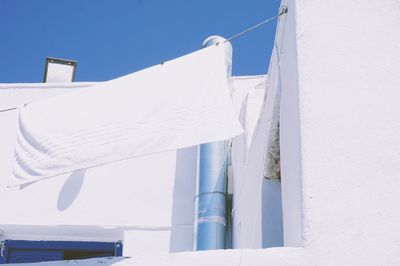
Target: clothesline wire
x,y
12,108
9,109
283,10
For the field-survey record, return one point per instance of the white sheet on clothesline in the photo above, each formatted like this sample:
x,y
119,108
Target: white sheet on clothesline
x,y
181,103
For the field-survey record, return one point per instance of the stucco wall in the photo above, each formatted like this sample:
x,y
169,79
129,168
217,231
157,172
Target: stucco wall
x,y
348,62
257,211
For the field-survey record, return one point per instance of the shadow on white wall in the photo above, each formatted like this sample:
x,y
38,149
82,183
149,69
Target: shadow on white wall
x,y
183,204
70,190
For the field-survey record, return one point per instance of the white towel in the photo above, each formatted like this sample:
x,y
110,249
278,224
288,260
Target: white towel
x,y
181,103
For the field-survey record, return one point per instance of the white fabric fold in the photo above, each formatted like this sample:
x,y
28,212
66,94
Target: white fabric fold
x,y
180,103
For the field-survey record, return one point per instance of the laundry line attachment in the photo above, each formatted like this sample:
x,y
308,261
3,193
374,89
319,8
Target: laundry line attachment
x,y
283,11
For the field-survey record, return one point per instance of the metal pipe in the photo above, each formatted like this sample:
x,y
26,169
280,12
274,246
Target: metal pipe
x,y
211,211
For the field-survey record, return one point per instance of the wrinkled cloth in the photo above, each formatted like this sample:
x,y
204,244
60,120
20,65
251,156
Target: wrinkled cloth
x,y
177,104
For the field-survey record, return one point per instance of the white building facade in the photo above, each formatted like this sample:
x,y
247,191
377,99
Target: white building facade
x,y
334,72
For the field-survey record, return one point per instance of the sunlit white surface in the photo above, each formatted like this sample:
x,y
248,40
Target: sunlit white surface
x,y
57,72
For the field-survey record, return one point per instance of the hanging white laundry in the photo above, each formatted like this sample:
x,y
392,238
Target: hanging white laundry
x,y
180,103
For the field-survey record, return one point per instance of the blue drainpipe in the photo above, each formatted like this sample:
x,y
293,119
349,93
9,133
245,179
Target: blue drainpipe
x,y
210,227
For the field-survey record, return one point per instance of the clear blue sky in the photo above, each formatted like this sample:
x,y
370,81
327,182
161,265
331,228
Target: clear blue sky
x,y
116,37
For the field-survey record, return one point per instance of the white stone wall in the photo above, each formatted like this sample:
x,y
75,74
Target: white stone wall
x,y
349,78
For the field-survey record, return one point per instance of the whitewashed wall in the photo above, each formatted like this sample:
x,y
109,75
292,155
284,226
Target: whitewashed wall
x,y
340,64
257,211
348,56
146,196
